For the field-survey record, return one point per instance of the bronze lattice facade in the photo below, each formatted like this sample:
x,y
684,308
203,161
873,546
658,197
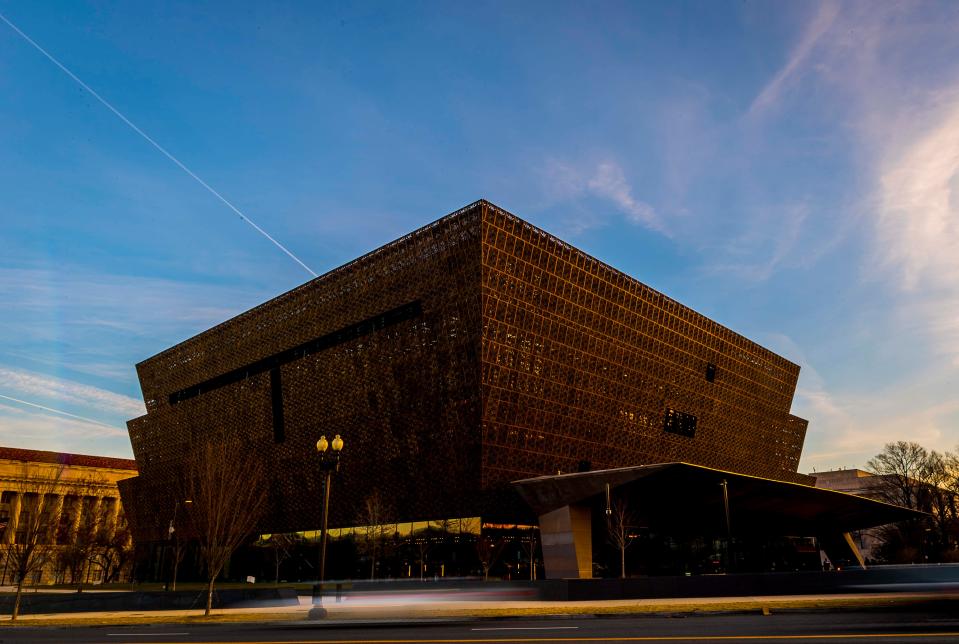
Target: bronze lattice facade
x,y
475,351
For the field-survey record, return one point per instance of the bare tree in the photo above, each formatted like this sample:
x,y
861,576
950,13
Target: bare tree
x,y
281,545
81,544
936,497
902,466
488,550
177,552
618,523
80,531
421,545
530,543
952,469
922,480
377,518
228,497
115,553
33,543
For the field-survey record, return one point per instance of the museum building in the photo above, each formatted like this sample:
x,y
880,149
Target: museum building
x,y
481,367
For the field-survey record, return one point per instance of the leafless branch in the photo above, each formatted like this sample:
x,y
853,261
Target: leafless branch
x,y
228,496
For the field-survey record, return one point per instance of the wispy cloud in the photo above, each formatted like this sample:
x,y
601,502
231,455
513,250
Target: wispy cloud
x,y
101,323
610,183
606,181
848,425
916,211
747,257
905,120
918,217
917,223
60,327
851,429
124,302
35,386
795,65
20,427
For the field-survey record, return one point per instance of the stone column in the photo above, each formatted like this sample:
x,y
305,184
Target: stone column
x,y
15,504
55,511
96,521
111,518
75,519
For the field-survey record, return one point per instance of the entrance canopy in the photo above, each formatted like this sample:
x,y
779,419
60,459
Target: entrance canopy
x,y
689,498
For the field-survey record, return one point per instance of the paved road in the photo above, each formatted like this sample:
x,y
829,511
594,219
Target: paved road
x,y
928,623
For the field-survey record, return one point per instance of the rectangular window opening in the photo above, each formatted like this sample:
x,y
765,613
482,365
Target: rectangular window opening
x,y
678,422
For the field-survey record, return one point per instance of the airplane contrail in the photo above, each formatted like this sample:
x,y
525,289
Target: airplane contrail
x,y
61,412
159,147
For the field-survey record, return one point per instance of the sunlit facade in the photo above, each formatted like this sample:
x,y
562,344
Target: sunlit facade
x,y
78,503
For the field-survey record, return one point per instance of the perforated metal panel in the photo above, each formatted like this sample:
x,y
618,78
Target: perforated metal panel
x,y
584,363
472,352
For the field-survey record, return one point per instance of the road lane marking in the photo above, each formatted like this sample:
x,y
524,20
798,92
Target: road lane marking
x,y
145,634
527,628
581,638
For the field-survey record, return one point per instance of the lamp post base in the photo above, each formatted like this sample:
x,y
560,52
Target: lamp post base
x,y
317,612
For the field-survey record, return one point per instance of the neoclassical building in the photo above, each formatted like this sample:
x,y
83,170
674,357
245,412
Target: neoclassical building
x,y
78,501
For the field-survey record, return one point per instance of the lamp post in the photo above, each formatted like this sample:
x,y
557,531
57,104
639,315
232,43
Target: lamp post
x,y
174,544
729,530
328,465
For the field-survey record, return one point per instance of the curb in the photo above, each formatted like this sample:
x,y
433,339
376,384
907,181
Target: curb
x,y
395,618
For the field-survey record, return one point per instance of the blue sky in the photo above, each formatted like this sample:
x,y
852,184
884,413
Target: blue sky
x,y
788,169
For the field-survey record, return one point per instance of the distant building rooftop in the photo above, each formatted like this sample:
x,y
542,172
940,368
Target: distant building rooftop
x,y
852,480
845,473
79,460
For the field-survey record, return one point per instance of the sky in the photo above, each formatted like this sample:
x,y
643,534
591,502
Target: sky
x,y
790,170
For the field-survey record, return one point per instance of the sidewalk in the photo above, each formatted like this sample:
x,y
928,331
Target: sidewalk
x,y
367,610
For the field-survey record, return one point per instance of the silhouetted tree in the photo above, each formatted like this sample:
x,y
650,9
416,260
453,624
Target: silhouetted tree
x,y
919,479
281,547
376,517
228,497
488,551
115,552
82,542
902,466
34,543
530,544
618,523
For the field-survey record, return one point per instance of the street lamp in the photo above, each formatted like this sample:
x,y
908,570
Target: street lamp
x,y
328,464
175,543
729,530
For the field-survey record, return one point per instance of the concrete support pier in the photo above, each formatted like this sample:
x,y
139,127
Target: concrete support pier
x,y
567,542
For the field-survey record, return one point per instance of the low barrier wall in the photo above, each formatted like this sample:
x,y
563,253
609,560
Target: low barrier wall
x,y
874,580
34,603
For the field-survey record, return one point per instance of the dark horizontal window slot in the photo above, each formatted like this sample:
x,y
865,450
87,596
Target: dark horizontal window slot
x,y
341,336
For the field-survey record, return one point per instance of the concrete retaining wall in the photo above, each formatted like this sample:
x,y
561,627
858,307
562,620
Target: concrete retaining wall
x,y
873,580
33,603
